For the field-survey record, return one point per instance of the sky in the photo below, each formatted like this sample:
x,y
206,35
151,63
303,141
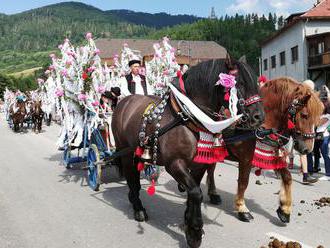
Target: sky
x,y
201,8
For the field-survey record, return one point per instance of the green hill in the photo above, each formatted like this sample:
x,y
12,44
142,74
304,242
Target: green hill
x,y
158,20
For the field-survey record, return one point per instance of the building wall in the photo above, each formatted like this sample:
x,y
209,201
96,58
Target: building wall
x,y
295,35
312,28
290,38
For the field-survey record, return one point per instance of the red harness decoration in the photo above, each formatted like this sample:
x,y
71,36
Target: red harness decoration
x,y
207,152
268,157
181,83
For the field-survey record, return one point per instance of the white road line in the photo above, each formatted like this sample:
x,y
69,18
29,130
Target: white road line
x,y
285,239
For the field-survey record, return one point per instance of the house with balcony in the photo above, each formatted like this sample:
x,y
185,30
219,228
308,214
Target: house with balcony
x,y
301,49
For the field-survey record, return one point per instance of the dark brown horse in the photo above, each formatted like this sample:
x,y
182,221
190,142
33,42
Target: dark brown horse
x,y
278,98
37,115
17,113
177,147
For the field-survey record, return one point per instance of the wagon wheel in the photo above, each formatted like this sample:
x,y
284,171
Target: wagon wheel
x,y
67,157
94,167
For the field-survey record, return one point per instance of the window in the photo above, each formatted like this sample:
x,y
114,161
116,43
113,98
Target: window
x,y
294,54
282,58
320,48
273,61
265,64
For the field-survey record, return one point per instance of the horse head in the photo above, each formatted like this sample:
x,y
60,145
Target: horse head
x,y
293,109
201,85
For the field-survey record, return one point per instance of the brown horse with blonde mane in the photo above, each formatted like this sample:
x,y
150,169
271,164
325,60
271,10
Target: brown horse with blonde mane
x,y
293,110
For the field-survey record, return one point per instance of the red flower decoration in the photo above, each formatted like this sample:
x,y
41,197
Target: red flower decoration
x,y
262,79
84,75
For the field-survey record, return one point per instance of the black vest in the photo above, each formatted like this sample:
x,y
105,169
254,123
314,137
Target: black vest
x,y
131,84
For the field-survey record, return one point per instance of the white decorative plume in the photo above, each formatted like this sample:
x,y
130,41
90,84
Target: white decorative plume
x,y
161,70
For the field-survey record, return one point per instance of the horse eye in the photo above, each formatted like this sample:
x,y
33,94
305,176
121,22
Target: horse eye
x,y
303,115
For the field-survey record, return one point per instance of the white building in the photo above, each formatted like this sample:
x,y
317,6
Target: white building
x,y
301,49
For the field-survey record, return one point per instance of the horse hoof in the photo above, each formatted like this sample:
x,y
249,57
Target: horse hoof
x,y
245,217
181,188
285,218
141,216
215,199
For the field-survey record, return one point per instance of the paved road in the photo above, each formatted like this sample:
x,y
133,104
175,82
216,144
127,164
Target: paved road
x,y
44,205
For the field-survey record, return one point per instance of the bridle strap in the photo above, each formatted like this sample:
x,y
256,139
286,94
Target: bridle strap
x,y
251,100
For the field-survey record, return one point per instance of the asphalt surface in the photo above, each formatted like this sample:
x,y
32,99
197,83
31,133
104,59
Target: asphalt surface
x,y
42,204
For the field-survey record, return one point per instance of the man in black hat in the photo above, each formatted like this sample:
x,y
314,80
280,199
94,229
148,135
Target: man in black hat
x,y
135,83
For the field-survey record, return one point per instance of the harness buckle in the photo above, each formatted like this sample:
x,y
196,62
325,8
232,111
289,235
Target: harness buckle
x,y
183,117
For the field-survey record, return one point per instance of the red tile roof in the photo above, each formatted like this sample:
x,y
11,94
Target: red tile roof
x,y
322,10
319,11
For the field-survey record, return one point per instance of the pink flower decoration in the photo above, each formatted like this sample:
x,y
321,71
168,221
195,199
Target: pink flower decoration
x,y
97,51
59,92
82,97
64,73
51,67
60,47
40,81
68,62
52,55
66,40
70,53
165,73
125,44
226,80
95,103
116,56
156,46
91,69
173,50
101,89
165,39
47,72
89,36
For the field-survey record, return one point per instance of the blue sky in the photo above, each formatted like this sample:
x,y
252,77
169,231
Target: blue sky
x,y
195,7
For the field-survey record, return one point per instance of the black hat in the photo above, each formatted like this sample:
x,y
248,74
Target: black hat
x,y
134,61
107,94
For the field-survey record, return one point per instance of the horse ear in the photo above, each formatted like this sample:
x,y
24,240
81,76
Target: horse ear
x,y
229,62
243,59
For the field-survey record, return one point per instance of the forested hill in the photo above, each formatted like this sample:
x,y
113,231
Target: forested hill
x,y
240,35
43,28
158,20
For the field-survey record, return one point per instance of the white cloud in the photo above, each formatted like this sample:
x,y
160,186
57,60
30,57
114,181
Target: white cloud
x,y
280,7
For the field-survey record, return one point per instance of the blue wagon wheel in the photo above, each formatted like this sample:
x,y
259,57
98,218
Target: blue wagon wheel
x,y
94,167
67,157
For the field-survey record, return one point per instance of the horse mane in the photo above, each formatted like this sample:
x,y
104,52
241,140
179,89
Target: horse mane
x,y
201,79
280,93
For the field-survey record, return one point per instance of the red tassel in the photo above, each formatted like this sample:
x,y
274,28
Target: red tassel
x,y
290,124
220,153
151,189
139,151
257,172
204,156
227,96
140,166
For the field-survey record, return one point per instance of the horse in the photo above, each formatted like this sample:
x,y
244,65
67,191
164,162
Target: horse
x,y
285,100
177,146
37,115
17,113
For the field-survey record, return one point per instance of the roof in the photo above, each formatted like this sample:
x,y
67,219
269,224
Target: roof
x,y
198,49
319,11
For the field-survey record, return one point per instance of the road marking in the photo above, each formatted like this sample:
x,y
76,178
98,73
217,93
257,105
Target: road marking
x,y
286,239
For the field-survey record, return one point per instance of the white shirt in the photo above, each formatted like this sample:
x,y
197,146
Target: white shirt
x,y
138,86
323,128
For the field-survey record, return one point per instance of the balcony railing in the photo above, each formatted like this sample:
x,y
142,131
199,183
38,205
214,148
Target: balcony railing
x,y
319,60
